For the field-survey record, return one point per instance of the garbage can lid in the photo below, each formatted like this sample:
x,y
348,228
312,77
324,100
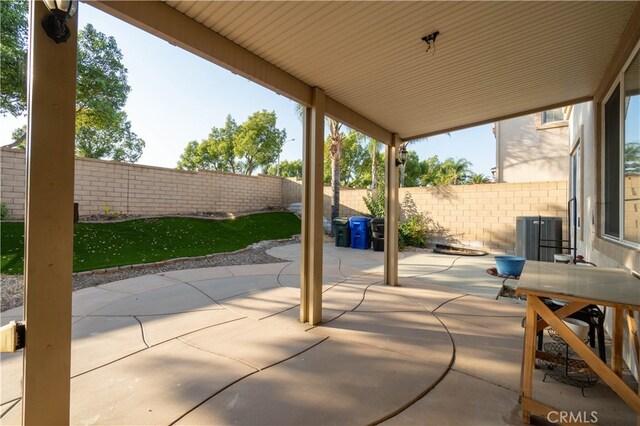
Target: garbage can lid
x,y
341,221
359,219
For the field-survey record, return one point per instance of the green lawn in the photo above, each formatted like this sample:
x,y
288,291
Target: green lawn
x,y
104,245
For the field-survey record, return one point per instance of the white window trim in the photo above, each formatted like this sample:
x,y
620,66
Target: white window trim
x,y
575,146
619,83
551,124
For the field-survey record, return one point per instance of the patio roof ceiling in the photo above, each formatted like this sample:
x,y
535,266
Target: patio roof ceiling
x,y
491,60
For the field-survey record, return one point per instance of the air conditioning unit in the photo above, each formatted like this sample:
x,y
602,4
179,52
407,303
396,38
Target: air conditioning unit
x,y
549,230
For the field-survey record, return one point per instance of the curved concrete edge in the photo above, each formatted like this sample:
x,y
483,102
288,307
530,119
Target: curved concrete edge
x,y
352,348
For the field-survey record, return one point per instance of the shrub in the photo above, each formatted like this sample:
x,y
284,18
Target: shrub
x,y
4,212
413,231
375,202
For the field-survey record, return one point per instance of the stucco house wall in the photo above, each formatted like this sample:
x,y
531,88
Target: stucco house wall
x,y
596,249
528,151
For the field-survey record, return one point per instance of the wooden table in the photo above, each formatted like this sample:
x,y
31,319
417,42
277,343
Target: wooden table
x,y
580,286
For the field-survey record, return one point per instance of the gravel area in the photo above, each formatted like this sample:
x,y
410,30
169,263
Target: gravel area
x,y
12,286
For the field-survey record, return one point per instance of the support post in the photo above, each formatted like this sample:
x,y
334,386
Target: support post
x,y
392,213
49,222
312,200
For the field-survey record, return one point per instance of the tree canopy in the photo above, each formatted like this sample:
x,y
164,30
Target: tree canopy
x,y
286,169
102,127
237,148
13,57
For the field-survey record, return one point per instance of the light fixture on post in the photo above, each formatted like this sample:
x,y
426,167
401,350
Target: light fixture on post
x,y
55,24
402,155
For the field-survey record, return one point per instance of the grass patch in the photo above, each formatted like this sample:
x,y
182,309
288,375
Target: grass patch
x,y
104,245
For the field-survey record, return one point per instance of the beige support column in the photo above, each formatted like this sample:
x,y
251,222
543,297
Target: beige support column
x,y
312,197
49,223
392,213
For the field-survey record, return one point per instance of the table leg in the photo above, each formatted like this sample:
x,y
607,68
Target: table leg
x,y
635,345
616,352
528,358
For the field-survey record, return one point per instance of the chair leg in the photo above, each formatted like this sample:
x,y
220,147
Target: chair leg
x,y
592,335
540,338
601,346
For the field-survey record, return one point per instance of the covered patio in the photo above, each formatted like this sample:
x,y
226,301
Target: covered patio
x,y
223,346
490,61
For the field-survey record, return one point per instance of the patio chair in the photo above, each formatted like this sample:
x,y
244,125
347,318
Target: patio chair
x,y
591,315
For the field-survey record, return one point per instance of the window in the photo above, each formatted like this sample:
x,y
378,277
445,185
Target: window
x,y
632,151
552,116
621,148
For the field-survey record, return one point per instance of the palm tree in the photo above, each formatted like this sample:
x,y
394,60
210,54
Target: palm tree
x,y
335,152
457,171
373,147
479,178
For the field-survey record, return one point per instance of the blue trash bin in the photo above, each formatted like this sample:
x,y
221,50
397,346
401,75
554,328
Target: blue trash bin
x,y
360,229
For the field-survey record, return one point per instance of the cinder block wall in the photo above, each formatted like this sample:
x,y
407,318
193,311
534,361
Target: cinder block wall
x,y
13,170
632,207
146,190
482,216
485,215
477,215
351,200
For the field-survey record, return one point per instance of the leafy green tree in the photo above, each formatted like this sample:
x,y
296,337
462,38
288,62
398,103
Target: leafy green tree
x,y
258,141
373,147
413,170
286,169
431,172
13,56
217,152
221,154
102,88
116,141
191,157
354,161
214,153
632,158
102,128
19,138
237,148
368,169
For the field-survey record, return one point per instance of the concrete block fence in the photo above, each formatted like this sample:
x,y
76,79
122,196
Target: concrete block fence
x,y
481,216
145,190
478,215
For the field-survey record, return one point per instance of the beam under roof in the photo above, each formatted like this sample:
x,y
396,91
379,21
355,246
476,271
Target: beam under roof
x,y
167,23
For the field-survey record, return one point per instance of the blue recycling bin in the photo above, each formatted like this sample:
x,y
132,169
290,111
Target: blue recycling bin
x,y
360,229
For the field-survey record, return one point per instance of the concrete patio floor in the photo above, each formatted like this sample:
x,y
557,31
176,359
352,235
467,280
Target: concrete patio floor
x,y
223,346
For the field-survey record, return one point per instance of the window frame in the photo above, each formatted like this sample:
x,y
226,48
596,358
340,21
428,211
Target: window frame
x,y
618,83
543,114
551,124
576,186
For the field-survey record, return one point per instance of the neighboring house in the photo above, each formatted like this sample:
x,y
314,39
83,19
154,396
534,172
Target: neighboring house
x,y
533,148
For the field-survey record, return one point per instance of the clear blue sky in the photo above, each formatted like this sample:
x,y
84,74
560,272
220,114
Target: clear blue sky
x,y
177,97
